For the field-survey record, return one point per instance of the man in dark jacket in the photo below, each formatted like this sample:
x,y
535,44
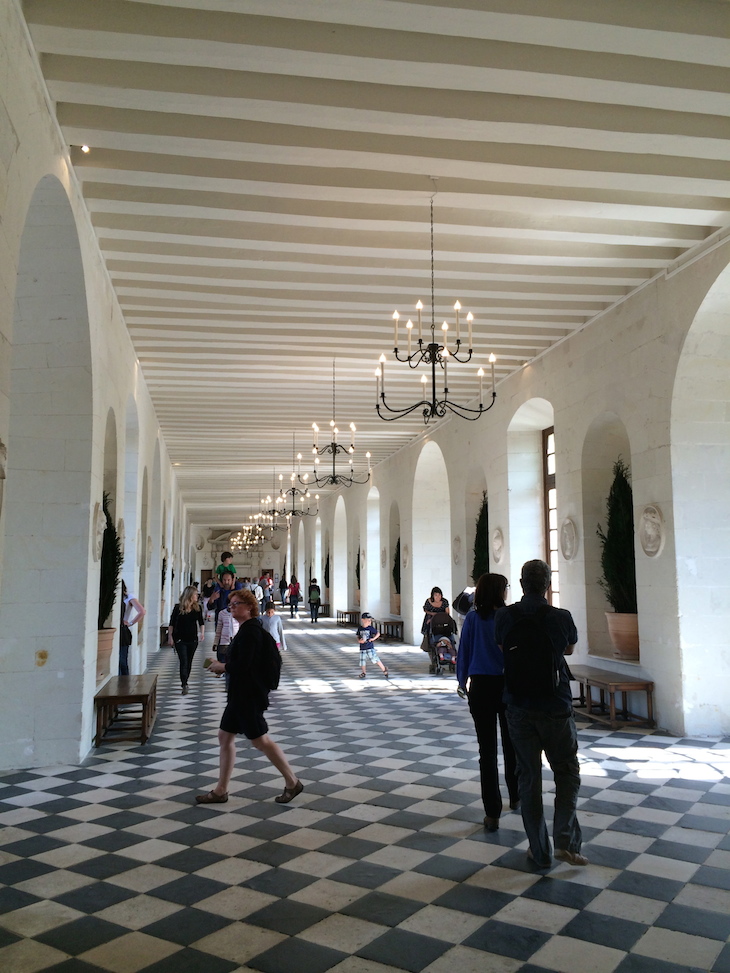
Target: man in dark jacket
x,y
545,723
249,669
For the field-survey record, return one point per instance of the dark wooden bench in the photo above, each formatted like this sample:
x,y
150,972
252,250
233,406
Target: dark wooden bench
x,y
391,628
324,609
609,683
348,617
126,723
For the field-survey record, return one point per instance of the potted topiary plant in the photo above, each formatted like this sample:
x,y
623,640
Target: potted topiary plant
x,y
395,598
110,568
357,577
619,565
481,542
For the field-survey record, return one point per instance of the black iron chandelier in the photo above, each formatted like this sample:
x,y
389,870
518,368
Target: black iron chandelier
x,y
435,353
295,493
270,516
333,449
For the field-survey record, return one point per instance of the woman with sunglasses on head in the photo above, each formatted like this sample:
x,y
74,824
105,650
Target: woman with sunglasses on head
x,y
248,698
480,674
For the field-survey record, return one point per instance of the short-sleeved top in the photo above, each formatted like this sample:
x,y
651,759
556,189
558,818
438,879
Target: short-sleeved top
x,y
222,568
366,632
428,605
562,632
185,625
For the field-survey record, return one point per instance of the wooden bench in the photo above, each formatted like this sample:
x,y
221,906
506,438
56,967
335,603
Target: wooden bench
x,y
324,609
608,682
391,628
126,691
348,617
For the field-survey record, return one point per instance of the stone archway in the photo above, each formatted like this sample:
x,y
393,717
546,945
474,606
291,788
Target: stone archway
x,y
700,464
430,561
49,600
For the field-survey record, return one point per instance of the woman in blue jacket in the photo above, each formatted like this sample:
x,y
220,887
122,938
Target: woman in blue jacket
x,y
479,671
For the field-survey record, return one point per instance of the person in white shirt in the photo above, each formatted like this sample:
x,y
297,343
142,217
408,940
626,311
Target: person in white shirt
x,y
273,625
225,629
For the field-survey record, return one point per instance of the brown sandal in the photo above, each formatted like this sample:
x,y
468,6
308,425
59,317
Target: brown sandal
x,y
212,798
290,793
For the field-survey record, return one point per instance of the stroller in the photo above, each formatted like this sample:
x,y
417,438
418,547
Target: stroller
x,y
442,644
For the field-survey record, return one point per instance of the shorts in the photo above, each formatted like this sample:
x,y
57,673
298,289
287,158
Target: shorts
x,y
249,722
366,654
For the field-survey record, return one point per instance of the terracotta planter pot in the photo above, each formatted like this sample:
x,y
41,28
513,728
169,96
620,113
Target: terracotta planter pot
x,y
104,648
623,631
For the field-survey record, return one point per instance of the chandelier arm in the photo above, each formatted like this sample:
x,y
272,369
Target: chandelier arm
x,y
399,413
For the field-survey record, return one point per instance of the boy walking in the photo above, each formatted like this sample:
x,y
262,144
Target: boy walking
x,y
366,635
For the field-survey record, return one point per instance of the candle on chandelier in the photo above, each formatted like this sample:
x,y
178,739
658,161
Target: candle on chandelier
x,y
492,360
457,308
299,464
353,430
315,427
377,386
445,329
335,431
419,308
470,318
395,328
446,373
382,374
367,456
409,326
480,373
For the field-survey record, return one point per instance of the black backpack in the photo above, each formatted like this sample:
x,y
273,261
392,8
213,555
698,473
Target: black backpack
x,y
531,666
270,661
442,624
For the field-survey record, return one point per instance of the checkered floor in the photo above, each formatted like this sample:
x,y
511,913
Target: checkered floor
x,y
381,864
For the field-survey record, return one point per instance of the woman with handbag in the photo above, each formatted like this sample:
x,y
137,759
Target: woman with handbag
x,y
294,595
186,626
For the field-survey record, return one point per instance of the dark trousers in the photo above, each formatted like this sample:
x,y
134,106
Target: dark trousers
x,y
487,709
293,605
185,652
313,610
532,733
123,660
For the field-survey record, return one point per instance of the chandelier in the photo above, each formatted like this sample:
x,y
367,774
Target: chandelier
x,y
271,517
295,493
249,536
334,449
435,353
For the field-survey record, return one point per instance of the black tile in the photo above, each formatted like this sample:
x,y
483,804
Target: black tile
x,y
7,938
114,841
104,866
610,857
188,890
397,801
679,851
294,954
594,927
186,926
120,821
382,908
695,922
189,860
13,873
272,853
408,820
366,874
406,950
612,809
12,899
37,845
279,881
189,961
633,963
453,869
267,830
193,836
689,785
349,847
699,823
651,887
475,901
425,841
94,897
713,797
664,804
61,805
330,805
81,934
647,829
716,878
722,963
287,916
337,825
569,894
519,942
632,786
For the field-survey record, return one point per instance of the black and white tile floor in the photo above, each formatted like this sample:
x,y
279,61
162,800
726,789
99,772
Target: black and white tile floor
x,y
382,863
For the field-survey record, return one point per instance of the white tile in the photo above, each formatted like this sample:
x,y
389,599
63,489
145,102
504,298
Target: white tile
x,y
568,955
667,945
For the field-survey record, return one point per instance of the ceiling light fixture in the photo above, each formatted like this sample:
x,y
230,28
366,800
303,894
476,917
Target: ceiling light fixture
x,y
434,353
85,149
334,449
294,492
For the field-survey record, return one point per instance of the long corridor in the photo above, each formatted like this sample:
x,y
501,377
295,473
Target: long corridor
x,y
381,864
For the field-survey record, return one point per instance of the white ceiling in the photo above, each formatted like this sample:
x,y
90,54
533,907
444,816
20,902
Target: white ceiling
x,y
260,175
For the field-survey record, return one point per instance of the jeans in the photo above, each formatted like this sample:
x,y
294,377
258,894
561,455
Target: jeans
x,y
293,605
185,652
313,610
533,732
487,709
